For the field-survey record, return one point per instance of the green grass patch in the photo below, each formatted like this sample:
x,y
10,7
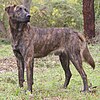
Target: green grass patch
x,y
48,84
5,49
49,79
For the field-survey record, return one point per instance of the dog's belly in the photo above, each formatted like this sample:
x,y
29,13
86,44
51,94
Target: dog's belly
x,y
44,53
43,48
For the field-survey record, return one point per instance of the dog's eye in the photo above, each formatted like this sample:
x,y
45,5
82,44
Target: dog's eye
x,y
26,10
20,8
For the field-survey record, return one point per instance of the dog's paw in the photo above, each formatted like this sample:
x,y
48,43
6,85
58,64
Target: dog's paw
x,y
90,90
84,91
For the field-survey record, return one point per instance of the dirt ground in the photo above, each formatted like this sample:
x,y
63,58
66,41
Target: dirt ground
x,y
8,64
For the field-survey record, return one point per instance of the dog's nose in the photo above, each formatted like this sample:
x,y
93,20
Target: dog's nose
x,y
28,15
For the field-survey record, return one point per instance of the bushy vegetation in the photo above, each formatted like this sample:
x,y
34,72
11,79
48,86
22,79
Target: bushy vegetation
x,y
57,14
53,13
97,19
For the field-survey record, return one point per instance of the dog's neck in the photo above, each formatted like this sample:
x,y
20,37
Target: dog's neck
x,y
17,29
17,26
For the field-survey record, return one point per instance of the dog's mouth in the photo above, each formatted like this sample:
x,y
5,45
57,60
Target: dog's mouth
x,y
25,20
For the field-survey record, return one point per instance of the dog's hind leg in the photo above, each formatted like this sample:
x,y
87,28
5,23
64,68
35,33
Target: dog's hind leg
x,y
20,64
75,57
64,59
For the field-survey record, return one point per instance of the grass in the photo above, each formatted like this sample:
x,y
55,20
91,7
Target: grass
x,y
49,78
5,49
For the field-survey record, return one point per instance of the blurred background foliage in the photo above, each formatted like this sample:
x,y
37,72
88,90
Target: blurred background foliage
x,y
57,13
52,13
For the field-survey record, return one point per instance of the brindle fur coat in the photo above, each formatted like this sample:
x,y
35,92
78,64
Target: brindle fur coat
x,y
30,42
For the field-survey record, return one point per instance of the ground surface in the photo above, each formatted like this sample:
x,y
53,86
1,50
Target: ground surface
x,y
48,78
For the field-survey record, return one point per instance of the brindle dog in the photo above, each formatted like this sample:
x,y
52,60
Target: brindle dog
x,y
30,42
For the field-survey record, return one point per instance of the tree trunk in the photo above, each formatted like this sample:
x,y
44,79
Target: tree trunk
x,y
89,18
27,4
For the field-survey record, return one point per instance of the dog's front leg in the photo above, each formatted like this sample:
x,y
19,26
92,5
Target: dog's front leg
x,y
29,71
20,65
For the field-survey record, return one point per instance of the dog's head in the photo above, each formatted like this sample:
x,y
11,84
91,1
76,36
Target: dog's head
x,y
18,13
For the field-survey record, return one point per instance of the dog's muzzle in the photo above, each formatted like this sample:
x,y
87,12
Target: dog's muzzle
x,y
28,17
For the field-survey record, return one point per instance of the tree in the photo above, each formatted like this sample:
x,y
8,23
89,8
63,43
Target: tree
x,y
27,4
89,18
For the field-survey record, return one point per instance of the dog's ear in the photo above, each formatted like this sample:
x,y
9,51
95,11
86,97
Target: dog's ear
x,y
10,9
7,9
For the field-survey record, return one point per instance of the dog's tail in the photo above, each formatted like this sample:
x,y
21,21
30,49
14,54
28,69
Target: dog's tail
x,y
85,52
88,58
